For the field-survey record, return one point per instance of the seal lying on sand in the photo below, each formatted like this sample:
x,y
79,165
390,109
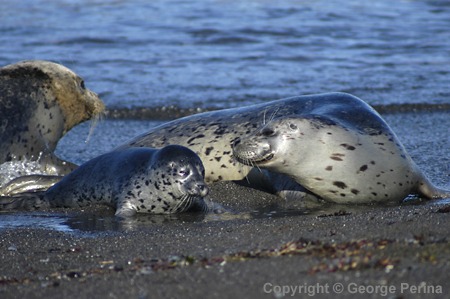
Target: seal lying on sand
x,y
338,148
40,101
133,180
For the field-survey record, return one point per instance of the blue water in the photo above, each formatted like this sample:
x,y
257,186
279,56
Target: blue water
x,y
219,53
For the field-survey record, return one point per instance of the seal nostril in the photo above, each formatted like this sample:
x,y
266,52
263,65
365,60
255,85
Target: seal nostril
x,y
203,189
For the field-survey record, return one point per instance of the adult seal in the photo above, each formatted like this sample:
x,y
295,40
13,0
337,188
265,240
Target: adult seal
x,y
331,146
40,101
133,180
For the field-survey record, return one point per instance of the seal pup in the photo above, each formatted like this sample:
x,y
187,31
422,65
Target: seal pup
x,y
40,101
212,136
133,180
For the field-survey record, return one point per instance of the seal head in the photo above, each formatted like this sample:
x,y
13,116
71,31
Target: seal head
x,y
40,102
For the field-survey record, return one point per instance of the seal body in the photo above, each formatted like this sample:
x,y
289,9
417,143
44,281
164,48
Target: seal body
x,y
336,124
40,101
135,180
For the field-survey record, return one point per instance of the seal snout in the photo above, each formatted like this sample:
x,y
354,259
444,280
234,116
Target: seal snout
x,y
250,152
199,189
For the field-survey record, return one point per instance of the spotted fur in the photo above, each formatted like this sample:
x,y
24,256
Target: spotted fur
x,y
135,180
351,144
347,166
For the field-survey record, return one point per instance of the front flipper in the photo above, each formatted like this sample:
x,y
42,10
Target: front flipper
x,y
125,210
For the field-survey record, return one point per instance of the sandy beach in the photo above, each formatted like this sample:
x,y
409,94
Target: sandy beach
x,y
264,247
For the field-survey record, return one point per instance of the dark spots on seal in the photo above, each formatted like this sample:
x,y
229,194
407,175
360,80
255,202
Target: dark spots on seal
x,y
218,159
318,179
226,153
342,194
372,162
348,147
208,150
374,194
355,191
190,140
340,184
333,191
156,185
329,168
363,168
375,133
337,157
223,166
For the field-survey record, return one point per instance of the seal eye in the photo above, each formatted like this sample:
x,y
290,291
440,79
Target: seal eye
x,y
183,173
82,84
293,127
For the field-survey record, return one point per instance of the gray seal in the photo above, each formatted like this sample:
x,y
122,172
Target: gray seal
x,y
40,101
365,161
134,180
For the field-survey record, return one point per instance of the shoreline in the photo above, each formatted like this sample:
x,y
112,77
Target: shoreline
x,y
252,253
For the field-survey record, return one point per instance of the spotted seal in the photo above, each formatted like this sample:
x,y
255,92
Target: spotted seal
x,y
133,180
351,154
40,101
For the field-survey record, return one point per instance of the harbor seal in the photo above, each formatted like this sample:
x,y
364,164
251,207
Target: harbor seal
x,y
336,160
133,180
212,136
40,101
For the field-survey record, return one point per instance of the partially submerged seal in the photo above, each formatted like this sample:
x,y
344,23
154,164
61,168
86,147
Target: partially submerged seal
x,y
339,126
40,101
133,180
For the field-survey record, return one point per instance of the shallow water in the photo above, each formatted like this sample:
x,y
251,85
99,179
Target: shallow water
x,y
93,223
217,53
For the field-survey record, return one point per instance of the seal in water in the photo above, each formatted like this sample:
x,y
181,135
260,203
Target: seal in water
x,y
40,101
133,180
343,151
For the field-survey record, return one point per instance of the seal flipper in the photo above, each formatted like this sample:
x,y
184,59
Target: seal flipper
x,y
125,209
29,183
24,201
428,190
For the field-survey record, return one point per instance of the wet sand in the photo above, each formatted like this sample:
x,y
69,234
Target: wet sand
x,y
262,249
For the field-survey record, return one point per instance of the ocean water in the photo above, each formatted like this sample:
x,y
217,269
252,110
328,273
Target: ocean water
x,y
209,54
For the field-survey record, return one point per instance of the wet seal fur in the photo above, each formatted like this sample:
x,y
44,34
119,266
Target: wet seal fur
x,y
344,151
134,180
40,101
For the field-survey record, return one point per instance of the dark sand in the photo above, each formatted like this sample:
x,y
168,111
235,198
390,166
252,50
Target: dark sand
x,y
377,251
